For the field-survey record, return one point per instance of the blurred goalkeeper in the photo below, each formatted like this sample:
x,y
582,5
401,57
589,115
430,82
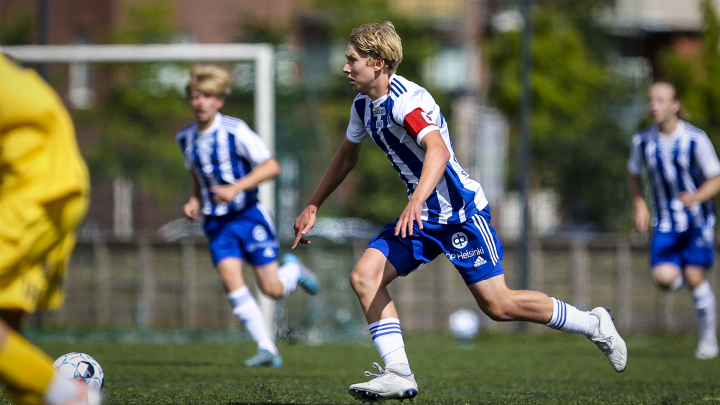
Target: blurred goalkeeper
x,y
43,197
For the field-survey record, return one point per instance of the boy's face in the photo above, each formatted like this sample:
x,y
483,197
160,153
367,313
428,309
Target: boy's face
x,y
357,70
205,105
662,103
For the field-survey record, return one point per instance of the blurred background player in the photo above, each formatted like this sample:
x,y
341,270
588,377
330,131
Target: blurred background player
x,y
447,213
227,162
684,174
44,190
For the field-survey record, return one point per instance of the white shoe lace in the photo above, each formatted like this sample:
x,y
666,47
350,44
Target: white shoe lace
x,y
380,369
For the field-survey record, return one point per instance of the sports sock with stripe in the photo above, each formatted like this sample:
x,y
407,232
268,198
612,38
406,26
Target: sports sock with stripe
x,y
246,309
567,318
704,303
289,274
387,336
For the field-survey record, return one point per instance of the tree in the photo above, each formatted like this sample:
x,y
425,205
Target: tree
x,y
697,77
578,147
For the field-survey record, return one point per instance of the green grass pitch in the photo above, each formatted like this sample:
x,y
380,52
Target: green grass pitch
x,y
493,369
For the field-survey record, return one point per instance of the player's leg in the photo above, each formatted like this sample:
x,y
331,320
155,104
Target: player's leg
x,y
475,250
28,375
668,276
704,303
698,255
369,280
246,308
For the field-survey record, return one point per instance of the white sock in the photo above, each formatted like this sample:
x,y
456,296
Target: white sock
x,y
387,336
678,283
289,274
567,318
246,309
60,390
704,302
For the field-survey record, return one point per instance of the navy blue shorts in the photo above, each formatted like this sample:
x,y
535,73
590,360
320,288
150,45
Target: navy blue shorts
x,y
472,247
248,233
693,247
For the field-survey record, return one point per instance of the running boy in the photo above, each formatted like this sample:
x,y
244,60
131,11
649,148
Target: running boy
x,y
227,162
684,174
447,213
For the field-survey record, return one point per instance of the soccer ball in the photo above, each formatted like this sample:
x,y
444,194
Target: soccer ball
x,y
80,365
464,324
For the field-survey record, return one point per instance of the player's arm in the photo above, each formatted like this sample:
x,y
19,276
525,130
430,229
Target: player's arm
x,y
709,164
192,207
266,170
642,214
436,159
709,189
341,165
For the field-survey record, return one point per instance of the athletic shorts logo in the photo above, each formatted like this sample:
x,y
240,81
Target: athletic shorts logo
x,y
259,233
269,252
479,261
459,240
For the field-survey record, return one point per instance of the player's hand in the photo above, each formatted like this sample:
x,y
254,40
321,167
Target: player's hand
x,y
688,199
192,208
642,217
224,193
412,212
303,225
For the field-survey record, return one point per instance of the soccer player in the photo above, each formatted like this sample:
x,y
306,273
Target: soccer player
x,y
44,189
447,213
227,162
684,174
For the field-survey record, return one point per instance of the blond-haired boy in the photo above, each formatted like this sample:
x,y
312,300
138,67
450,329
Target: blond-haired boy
x,y
447,213
227,161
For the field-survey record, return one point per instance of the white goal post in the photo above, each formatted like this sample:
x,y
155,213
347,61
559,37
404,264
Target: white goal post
x,y
261,54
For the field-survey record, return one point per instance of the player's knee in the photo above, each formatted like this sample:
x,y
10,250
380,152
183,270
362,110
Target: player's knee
x,y
499,310
361,279
273,291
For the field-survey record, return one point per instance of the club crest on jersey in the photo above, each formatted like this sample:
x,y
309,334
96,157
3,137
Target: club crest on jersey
x,y
259,233
459,240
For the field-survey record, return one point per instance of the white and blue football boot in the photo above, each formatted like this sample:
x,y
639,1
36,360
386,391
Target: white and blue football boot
x,y
608,340
264,358
389,384
308,281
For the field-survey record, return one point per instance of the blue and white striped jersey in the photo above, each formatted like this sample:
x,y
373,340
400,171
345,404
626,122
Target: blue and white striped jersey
x,y
222,154
675,163
397,122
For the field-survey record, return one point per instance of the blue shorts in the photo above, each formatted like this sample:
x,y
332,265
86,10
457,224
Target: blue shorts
x,y
248,233
472,247
693,247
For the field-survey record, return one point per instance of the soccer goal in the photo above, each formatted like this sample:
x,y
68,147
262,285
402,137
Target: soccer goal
x,y
78,57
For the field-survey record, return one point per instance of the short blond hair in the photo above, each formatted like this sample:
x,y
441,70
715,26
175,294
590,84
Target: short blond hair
x,y
209,79
379,40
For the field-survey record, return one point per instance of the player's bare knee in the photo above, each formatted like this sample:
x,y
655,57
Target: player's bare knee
x,y
362,279
498,311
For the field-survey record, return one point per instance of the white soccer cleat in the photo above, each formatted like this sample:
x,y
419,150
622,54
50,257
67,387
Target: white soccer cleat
x,y
389,384
707,349
608,340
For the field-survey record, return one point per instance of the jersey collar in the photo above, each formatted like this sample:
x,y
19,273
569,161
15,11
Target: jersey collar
x,y
213,127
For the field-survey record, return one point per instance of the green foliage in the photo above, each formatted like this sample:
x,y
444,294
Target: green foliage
x,y
18,27
697,77
577,146
137,118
